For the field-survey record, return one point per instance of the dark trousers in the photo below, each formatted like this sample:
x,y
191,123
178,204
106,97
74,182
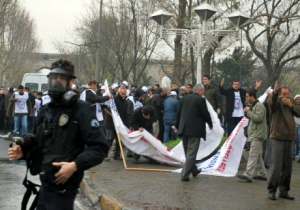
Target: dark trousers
x,y
50,200
190,146
161,129
268,153
30,123
232,123
117,150
2,120
281,166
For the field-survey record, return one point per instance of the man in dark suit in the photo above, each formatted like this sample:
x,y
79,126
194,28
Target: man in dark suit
x,y
191,120
95,100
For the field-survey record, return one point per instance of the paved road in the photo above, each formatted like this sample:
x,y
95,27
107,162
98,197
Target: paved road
x,y
11,177
3,149
162,191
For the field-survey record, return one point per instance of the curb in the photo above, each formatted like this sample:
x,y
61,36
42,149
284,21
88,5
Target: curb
x,y
4,160
103,201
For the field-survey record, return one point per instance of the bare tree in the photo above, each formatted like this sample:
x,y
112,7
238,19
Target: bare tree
x,y
273,36
18,42
127,40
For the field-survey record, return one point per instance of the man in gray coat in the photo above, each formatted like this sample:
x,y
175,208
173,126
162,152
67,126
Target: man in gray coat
x,y
257,134
191,120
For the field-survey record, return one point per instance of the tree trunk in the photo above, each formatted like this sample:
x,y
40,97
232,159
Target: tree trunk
x,y
178,46
206,62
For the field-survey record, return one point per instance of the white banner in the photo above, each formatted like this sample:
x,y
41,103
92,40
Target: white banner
x,y
227,160
224,163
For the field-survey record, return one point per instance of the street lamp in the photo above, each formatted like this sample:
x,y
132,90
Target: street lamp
x,y
80,51
238,19
203,36
205,11
82,46
161,16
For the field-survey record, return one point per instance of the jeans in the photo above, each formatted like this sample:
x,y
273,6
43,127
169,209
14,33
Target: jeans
x,y
21,124
232,123
167,130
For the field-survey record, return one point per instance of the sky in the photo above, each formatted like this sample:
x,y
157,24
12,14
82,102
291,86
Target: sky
x,y
55,20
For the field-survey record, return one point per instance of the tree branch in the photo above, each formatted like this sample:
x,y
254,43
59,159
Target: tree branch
x,y
291,46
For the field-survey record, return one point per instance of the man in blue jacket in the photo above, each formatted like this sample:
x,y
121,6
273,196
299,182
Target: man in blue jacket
x,y
171,105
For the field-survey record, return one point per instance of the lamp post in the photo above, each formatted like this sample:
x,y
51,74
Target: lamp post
x,y
80,51
81,46
204,37
98,53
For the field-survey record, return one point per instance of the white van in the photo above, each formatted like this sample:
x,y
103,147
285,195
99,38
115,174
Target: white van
x,y
37,81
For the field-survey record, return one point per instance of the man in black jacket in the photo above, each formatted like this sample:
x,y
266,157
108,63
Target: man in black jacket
x,y
94,100
66,141
235,103
143,118
157,101
125,110
191,122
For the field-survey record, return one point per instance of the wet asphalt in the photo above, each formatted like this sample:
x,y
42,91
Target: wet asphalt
x,y
11,175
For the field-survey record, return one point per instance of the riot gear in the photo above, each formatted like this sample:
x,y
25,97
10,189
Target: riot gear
x,y
65,133
62,72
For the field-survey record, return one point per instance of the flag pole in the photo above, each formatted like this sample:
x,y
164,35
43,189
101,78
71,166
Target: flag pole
x,y
137,169
122,151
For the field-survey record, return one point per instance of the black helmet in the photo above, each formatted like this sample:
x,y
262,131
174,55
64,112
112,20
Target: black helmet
x,y
63,67
57,88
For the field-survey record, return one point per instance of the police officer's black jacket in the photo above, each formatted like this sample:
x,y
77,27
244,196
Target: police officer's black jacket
x,y
64,134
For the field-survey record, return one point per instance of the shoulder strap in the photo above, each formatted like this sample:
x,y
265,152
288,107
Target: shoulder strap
x,y
31,189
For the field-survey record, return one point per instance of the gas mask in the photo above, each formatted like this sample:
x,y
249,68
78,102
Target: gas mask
x,y
58,85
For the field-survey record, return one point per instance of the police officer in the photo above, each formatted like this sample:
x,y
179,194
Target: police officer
x,y
66,141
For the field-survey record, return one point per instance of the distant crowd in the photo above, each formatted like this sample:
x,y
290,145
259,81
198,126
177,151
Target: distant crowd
x,y
273,133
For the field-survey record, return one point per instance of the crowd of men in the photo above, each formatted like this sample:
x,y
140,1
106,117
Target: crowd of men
x,y
18,109
273,131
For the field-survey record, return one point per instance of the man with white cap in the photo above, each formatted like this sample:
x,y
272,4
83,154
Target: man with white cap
x,y
171,104
125,110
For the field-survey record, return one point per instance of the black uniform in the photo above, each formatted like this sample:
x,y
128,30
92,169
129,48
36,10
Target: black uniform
x,y
64,133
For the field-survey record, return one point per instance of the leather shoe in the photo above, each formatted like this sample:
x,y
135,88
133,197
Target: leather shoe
x,y
287,197
185,179
262,178
196,173
272,196
245,178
